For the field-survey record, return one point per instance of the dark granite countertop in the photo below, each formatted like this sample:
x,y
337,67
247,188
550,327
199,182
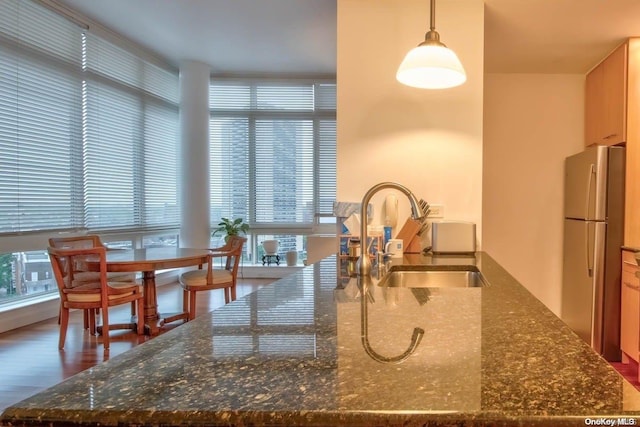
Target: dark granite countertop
x,y
291,354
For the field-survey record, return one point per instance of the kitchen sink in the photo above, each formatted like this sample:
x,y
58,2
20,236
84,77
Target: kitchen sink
x,y
466,277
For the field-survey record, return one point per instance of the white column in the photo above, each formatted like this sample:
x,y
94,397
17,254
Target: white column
x,y
194,142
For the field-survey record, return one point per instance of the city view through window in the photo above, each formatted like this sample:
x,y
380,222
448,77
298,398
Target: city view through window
x,y
28,274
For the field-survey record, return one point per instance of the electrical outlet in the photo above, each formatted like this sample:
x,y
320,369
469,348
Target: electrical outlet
x,y
436,211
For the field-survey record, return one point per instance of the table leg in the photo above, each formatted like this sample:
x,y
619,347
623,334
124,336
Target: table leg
x,y
151,316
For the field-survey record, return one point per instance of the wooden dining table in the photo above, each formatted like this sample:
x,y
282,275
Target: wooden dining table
x,y
148,261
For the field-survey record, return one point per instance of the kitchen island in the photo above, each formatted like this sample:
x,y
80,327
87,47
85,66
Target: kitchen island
x,y
291,354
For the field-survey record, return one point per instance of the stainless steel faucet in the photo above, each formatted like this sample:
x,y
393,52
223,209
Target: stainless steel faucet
x,y
416,213
364,269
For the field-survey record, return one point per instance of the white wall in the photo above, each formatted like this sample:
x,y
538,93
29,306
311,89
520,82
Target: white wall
x,y
430,141
531,123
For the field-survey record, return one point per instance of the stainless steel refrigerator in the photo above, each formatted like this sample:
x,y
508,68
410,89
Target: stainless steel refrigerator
x,y
593,236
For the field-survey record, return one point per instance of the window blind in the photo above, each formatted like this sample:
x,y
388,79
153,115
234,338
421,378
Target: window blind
x,y
110,159
88,129
229,168
161,126
130,137
40,119
326,167
272,151
283,171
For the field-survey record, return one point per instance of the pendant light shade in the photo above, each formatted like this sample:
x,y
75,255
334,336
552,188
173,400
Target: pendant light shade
x,y
431,65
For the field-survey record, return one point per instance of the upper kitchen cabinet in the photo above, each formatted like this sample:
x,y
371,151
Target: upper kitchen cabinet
x,y
606,99
612,116
632,173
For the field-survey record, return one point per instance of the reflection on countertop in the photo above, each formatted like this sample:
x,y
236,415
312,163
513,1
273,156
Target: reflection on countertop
x,y
291,354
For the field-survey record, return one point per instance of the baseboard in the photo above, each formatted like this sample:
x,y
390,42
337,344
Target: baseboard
x,y
29,312
271,272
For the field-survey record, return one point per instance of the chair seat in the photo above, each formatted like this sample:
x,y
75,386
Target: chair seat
x,y
82,277
211,277
198,278
90,292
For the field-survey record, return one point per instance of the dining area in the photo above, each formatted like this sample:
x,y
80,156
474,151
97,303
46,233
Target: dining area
x,y
92,277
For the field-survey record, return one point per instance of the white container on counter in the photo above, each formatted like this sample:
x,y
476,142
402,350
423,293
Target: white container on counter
x,y
453,237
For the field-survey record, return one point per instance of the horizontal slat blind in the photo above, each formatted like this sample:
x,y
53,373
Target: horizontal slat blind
x,y
160,169
40,119
130,135
272,151
229,168
88,129
325,96
230,96
326,167
111,132
39,29
116,64
290,97
284,171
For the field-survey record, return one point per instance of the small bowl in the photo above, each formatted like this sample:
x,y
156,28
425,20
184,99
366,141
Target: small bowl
x,y
270,247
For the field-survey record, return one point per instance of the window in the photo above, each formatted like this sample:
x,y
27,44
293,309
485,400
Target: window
x,y
130,139
88,130
88,140
273,153
40,119
25,274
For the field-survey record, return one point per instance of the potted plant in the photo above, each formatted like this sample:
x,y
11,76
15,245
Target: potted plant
x,y
231,228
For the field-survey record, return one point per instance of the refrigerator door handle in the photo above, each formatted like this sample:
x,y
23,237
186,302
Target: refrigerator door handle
x,y
597,308
587,238
587,234
587,203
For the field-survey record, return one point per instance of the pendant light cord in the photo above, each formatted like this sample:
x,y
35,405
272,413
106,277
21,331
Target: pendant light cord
x,y
432,19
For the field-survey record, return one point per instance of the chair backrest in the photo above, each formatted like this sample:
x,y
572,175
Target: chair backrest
x,y
76,242
234,252
77,276
64,264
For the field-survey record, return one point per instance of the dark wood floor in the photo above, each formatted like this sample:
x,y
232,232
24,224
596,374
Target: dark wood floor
x,y
30,360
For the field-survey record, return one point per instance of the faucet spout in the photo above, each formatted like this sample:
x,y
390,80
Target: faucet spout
x,y
417,212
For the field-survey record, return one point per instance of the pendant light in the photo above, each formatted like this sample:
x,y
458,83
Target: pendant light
x,y
431,65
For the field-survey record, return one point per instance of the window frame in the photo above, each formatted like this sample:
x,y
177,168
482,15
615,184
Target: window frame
x,y
28,33
250,110
321,113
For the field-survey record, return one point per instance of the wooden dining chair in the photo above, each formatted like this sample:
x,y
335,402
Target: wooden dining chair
x,y
93,294
80,277
224,278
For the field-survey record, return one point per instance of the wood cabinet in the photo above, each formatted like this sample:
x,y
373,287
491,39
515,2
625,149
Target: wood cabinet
x,y
612,108
606,100
612,116
632,174
630,308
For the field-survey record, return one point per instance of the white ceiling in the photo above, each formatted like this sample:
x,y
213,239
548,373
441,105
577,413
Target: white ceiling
x,y
233,36
299,36
555,36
